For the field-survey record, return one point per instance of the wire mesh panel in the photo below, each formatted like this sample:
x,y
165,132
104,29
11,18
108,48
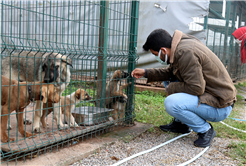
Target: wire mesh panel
x,y
65,72
223,19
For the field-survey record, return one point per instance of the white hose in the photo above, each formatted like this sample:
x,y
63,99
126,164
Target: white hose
x,y
232,127
146,151
193,159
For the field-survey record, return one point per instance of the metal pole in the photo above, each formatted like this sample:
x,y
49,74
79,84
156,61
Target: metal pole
x,y
102,52
237,46
214,39
231,69
132,58
228,11
219,55
205,27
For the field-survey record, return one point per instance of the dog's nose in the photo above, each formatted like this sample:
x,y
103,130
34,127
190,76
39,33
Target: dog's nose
x,y
126,74
48,80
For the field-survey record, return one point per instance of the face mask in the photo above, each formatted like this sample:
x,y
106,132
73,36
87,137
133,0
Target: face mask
x,y
159,59
238,41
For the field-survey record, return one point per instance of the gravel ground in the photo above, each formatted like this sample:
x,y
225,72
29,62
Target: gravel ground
x,y
174,153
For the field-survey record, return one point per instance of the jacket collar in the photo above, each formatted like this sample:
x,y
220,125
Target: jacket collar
x,y
176,39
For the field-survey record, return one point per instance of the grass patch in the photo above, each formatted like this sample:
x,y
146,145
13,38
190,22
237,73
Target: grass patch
x,y
236,86
238,152
242,84
149,108
239,97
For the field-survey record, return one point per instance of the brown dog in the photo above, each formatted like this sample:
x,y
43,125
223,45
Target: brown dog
x,y
20,98
116,98
67,105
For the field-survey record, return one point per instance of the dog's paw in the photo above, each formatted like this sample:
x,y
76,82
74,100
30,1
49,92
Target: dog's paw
x,y
27,122
36,130
5,140
75,125
33,136
11,139
130,124
62,126
28,134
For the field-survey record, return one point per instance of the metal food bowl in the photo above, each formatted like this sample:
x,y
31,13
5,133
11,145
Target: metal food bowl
x,y
91,115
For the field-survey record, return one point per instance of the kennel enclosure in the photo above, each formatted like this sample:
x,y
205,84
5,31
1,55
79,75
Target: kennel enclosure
x,y
99,37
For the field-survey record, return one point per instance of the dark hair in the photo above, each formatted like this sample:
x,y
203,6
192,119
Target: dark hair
x,y
157,39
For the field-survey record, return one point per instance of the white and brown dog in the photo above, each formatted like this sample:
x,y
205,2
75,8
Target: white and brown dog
x,y
68,104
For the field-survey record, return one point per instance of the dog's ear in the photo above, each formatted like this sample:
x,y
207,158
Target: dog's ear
x,y
67,60
77,96
44,65
44,94
45,62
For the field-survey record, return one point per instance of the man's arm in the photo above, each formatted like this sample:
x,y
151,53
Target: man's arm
x,y
160,74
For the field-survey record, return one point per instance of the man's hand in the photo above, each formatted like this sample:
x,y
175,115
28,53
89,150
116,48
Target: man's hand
x,y
138,73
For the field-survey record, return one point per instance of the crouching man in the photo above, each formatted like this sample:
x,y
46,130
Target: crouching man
x,y
200,87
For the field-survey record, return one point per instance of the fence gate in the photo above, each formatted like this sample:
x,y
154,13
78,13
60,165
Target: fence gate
x,y
65,73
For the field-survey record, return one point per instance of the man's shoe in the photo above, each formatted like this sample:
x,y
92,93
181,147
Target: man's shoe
x,y
206,138
176,127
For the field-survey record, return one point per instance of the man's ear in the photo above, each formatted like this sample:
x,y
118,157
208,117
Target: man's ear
x,y
164,50
44,94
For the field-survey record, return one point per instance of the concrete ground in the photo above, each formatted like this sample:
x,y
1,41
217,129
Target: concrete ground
x,y
72,154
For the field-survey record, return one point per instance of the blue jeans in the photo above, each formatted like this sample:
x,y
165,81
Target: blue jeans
x,y
184,107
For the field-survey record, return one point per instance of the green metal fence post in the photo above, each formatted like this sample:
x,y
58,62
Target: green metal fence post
x,y
132,52
102,51
220,45
205,27
228,11
1,59
214,39
237,45
231,69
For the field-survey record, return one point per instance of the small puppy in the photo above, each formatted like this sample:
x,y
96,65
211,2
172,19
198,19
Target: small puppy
x,y
67,106
20,98
113,87
116,98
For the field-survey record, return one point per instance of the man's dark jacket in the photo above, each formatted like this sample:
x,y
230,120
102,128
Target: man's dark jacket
x,y
199,71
